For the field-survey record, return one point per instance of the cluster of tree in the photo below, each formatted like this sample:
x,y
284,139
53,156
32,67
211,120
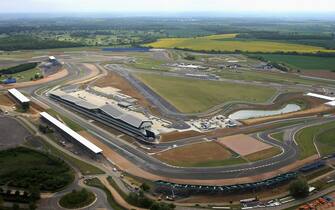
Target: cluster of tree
x,y
77,199
37,76
276,65
30,196
275,35
189,57
45,128
299,188
33,43
318,54
140,200
19,68
48,173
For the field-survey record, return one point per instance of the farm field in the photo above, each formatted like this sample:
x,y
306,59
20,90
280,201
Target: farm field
x,y
302,62
306,136
206,154
228,43
282,78
191,95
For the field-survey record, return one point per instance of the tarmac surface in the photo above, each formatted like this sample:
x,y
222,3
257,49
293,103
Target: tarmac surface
x,y
12,133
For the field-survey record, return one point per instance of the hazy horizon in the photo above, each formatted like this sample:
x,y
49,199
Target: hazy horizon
x,y
170,6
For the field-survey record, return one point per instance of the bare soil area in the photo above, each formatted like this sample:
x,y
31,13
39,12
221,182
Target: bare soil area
x,y
116,81
321,74
5,100
173,136
243,144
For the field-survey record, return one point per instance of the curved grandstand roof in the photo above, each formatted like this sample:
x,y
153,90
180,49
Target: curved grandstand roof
x,y
89,145
108,109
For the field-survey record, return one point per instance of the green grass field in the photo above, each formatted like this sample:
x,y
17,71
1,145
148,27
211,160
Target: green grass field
x,y
326,141
306,136
228,42
77,199
26,75
302,62
216,163
74,126
264,154
149,64
190,95
278,136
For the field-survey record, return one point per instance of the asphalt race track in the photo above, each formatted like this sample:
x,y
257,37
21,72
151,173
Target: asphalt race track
x,y
152,165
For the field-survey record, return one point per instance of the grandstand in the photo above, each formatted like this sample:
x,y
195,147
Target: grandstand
x,y
71,134
19,98
110,115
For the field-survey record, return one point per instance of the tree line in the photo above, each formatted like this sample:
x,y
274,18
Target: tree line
x,y
19,68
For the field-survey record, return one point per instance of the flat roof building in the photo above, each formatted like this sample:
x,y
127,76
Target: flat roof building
x,y
315,95
327,98
19,98
71,133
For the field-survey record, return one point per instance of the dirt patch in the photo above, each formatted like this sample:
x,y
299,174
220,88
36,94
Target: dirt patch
x,y
5,100
37,107
321,74
316,110
243,145
116,81
194,154
264,154
173,136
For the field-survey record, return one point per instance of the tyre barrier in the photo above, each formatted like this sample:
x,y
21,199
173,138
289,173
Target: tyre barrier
x,y
312,166
186,189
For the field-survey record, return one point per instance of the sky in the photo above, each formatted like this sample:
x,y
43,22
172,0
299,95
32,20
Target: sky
x,y
231,6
